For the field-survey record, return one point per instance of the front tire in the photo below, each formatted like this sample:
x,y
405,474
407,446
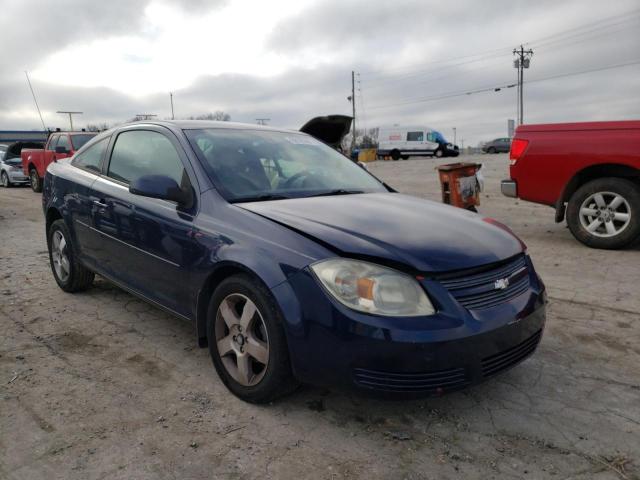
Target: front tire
x,y
6,183
395,155
247,342
492,150
605,213
438,153
36,182
70,275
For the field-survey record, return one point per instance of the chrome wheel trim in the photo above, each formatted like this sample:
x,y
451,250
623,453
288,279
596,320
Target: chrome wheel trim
x,y
242,340
605,214
5,179
34,179
61,263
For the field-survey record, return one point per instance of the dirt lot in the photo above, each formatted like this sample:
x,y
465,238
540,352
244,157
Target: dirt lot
x,y
101,385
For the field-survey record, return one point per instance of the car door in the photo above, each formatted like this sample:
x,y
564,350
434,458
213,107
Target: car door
x,y
80,199
147,242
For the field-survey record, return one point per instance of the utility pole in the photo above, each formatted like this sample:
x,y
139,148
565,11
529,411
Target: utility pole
x,y
262,121
71,114
454,135
522,62
352,99
173,117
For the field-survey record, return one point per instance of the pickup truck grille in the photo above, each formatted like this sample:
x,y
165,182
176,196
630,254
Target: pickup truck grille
x,y
491,287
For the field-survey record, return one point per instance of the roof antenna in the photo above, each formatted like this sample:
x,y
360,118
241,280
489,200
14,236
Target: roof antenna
x,y
35,101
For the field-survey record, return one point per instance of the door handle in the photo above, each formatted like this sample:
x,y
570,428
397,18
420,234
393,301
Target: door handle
x,y
100,204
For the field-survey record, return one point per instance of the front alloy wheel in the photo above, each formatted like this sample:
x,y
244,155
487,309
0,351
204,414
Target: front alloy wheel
x,y
36,185
5,180
247,342
242,340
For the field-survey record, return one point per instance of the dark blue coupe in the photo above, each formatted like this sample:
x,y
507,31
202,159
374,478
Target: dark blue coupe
x,y
294,263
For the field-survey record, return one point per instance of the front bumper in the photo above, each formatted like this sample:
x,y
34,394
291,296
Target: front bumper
x,y
17,176
509,188
331,345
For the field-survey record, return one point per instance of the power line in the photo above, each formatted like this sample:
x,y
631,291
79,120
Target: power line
x,y
497,88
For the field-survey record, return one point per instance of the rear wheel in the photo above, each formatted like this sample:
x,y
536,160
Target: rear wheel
x,y
6,183
70,275
395,154
605,213
405,157
247,341
36,183
492,150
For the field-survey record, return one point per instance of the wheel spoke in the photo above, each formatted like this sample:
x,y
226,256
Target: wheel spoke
x,y
248,313
64,263
56,241
257,350
622,217
225,345
616,202
611,230
244,369
590,212
63,243
599,200
594,225
228,314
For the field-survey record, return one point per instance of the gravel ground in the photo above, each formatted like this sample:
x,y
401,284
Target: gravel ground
x,y
100,385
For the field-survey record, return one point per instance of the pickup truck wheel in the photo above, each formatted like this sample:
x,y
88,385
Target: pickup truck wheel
x,y
6,183
247,342
605,213
36,184
70,275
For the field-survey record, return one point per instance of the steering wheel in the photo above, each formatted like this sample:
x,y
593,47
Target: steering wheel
x,y
296,176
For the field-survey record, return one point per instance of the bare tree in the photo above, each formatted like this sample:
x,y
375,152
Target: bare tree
x,y
97,127
218,115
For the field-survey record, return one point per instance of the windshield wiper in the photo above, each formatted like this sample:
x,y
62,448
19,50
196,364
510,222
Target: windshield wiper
x,y
337,191
260,198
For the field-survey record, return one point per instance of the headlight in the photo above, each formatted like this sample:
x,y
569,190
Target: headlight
x,y
371,288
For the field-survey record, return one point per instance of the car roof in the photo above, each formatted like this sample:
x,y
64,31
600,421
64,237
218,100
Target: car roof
x,y
202,124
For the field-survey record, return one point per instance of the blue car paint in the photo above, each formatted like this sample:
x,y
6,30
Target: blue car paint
x,y
168,256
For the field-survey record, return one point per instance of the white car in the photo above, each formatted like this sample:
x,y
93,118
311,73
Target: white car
x,y
11,165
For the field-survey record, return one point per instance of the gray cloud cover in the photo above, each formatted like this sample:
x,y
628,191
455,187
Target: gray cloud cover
x,y
370,37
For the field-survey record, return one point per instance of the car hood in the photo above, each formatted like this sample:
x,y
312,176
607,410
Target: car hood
x,y
424,235
330,129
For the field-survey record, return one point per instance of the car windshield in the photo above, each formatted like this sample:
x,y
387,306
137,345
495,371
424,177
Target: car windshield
x,y
253,165
79,140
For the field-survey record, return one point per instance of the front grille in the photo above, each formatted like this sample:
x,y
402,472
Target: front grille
x,y
501,361
434,382
477,290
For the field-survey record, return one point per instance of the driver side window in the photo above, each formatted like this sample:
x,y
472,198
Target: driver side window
x,y
144,152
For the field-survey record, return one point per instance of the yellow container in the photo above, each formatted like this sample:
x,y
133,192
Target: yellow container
x,y
367,155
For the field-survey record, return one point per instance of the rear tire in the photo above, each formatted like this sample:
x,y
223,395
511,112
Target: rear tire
x,y
405,157
395,155
70,275
6,183
265,328
36,182
605,213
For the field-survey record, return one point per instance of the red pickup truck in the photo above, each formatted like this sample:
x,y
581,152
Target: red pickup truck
x,y
590,174
59,145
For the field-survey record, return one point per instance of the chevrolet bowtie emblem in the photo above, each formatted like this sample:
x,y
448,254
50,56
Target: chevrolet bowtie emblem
x,y
501,284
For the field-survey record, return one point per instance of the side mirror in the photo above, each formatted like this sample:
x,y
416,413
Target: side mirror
x,y
162,187
61,149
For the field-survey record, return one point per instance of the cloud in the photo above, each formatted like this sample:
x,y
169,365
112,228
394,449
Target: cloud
x,y
291,60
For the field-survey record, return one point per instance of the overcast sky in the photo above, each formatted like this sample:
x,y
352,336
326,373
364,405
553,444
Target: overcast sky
x,y
290,60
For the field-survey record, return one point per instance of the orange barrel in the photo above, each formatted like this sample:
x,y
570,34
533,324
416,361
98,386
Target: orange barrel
x,y
459,184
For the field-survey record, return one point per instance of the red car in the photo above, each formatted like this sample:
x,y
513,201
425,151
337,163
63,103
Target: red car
x,y
59,145
588,172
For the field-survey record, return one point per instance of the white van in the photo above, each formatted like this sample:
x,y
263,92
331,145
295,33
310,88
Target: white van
x,y
403,142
